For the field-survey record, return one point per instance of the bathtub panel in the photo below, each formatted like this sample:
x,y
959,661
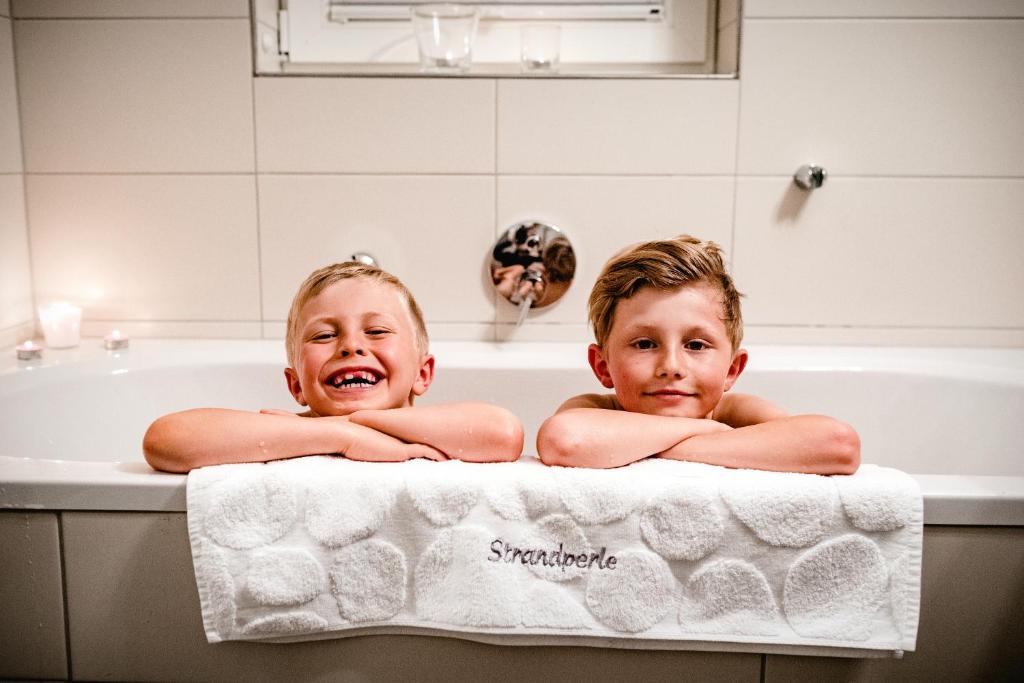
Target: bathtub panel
x,y
375,125
893,113
146,247
970,629
617,126
10,128
433,232
32,643
601,216
136,96
15,274
866,252
155,632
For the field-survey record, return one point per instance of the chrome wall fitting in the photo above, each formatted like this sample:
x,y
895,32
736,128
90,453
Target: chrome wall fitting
x,y
532,265
810,177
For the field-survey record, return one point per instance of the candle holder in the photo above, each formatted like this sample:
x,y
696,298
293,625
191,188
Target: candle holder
x,y
29,350
61,323
115,341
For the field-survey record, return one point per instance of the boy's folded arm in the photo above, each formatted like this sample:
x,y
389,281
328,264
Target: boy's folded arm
x,y
180,442
470,431
801,443
579,436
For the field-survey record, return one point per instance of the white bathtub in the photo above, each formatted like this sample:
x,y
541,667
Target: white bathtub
x,y
97,583
71,425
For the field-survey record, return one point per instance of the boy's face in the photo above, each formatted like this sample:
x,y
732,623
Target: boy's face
x,y
669,353
356,350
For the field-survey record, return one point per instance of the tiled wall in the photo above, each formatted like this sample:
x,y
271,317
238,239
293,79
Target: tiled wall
x,y
15,278
172,193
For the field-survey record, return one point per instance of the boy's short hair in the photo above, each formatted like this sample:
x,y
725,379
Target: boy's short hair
x,y
664,265
321,279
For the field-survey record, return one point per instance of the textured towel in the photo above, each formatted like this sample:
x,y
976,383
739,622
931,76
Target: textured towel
x,y
658,551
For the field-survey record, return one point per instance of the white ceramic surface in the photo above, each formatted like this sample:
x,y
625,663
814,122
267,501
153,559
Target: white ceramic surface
x,y
136,96
617,126
72,425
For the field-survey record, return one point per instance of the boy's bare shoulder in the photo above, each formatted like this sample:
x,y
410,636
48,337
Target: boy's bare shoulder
x,y
603,401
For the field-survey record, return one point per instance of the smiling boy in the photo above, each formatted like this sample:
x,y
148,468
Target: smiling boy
x,y
666,316
358,357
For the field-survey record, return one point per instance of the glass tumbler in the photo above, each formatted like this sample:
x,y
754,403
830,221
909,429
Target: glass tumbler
x,y
540,47
444,35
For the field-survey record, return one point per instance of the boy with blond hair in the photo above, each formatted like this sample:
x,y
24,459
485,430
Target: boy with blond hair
x,y
357,358
666,317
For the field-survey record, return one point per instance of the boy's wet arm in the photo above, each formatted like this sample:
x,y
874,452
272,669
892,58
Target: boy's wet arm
x,y
470,431
182,441
597,437
813,444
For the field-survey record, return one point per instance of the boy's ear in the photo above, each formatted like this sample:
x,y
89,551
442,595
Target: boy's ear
x,y
425,376
739,362
294,386
595,356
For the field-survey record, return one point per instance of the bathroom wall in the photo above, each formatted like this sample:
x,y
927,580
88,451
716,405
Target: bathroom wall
x,y
172,193
15,278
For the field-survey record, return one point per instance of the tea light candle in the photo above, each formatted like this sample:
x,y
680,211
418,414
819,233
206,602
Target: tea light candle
x,y
29,350
115,340
61,323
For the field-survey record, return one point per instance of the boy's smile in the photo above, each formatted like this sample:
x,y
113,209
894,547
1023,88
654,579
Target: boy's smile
x,y
357,350
669,352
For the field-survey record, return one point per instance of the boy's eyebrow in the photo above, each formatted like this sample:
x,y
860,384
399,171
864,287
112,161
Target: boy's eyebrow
x,y
648,329
366,317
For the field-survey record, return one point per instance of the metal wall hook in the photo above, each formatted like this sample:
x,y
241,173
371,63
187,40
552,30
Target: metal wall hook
x,y
810,177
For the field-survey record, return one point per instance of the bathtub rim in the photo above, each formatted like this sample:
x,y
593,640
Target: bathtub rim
x,y
37,484
31,484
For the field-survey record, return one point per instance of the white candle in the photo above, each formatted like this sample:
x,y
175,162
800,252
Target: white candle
x,y
61,323
115,340
29,350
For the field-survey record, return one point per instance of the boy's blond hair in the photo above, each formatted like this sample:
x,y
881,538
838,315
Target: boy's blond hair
x,y
321,279
664,265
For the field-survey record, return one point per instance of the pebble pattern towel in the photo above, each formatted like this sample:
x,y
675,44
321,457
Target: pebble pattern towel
x,y
658,551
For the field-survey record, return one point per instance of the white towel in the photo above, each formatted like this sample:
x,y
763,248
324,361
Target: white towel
x,y
658,551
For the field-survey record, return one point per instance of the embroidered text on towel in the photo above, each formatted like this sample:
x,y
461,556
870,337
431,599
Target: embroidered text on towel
x,y
556,558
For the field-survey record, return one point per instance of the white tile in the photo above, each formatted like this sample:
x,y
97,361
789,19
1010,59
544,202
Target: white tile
x,y
375,125
881,252
173,329
892,336
883,97
147,248
434,233
601,216
617,126
128,9
136,96
882,8
10,129
15,273
15,335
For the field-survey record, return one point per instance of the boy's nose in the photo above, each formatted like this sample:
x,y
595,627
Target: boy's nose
x,y
672,363
348,346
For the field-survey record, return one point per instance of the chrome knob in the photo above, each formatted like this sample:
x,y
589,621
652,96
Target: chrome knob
x,y
365,259
810,177
532,265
